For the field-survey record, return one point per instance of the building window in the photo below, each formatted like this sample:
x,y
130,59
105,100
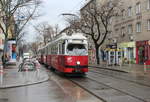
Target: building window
x,y
138,8
148,24
138,27
130,29
123,31
148,4
123,13
130,11
117,31
110,21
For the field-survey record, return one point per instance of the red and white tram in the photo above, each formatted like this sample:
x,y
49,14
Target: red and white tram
x,y
66,53
42,55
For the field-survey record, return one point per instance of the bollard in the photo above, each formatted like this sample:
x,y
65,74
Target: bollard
x,y
1,74
145,67
1,69
37,65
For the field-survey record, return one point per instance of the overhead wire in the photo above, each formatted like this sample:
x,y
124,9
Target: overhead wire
x,y
75,8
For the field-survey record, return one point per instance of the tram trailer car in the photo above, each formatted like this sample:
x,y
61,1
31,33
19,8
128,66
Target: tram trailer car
x,y
41,55
68,54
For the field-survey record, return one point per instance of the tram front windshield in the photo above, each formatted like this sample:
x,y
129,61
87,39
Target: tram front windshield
x,y
76,49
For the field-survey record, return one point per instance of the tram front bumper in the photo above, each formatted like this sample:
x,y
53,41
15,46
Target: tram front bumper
x,y
78,69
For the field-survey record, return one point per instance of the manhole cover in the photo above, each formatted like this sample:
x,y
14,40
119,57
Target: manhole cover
x,y
3,100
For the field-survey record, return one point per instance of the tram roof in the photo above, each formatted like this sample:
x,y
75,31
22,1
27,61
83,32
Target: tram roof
x,y
73,36
64,36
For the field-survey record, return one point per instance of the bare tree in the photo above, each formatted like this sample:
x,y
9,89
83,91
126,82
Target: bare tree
x,y
46,31
34,47
94,21
56,29
18,13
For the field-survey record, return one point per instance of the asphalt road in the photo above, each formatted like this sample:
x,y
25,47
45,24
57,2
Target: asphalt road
x,y
56,89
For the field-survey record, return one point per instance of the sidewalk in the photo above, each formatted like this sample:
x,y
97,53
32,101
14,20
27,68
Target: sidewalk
x,y
10,77
136,69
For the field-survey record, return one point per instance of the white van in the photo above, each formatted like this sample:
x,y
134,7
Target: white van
x,y
26,55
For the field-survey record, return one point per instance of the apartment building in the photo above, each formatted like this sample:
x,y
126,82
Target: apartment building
x,y
131,30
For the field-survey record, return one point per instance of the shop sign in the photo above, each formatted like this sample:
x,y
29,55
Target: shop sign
x,y
142,43
112,46
127,44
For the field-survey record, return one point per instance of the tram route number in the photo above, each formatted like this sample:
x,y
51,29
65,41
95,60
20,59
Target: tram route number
x,y
77,70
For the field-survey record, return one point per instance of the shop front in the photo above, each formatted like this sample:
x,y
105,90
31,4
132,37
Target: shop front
x,y
92,56
143,52
128,52
113,55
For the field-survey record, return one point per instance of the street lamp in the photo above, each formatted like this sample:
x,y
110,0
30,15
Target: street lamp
x,y
73,22
71,14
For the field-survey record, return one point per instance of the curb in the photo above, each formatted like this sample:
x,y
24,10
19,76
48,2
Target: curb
x,y
106,68
22,85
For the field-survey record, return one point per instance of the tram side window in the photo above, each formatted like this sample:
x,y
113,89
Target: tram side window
x,y
49,50
63,48
60,49
46,50
56,49
52,50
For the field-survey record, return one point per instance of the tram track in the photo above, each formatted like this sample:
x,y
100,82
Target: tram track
x,y
139,86
121,94
130,78
115,70
87,90
105,91
52,73
134,91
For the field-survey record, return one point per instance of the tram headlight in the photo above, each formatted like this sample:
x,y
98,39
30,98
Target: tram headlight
x,y
78,62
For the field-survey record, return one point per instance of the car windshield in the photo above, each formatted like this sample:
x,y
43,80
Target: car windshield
x,y
76,49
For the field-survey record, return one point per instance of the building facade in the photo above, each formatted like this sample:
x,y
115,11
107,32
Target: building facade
x,y
133,26
130,30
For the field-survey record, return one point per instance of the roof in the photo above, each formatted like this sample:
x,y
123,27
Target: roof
x,y
64,36
73,36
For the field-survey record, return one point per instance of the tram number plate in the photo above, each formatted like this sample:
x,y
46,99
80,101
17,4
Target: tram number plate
x,y
77,70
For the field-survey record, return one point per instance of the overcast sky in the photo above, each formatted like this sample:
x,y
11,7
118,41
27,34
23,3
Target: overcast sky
x,y
52,10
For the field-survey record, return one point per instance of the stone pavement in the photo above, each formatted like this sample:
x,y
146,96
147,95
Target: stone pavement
x,y
10,77
137,69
